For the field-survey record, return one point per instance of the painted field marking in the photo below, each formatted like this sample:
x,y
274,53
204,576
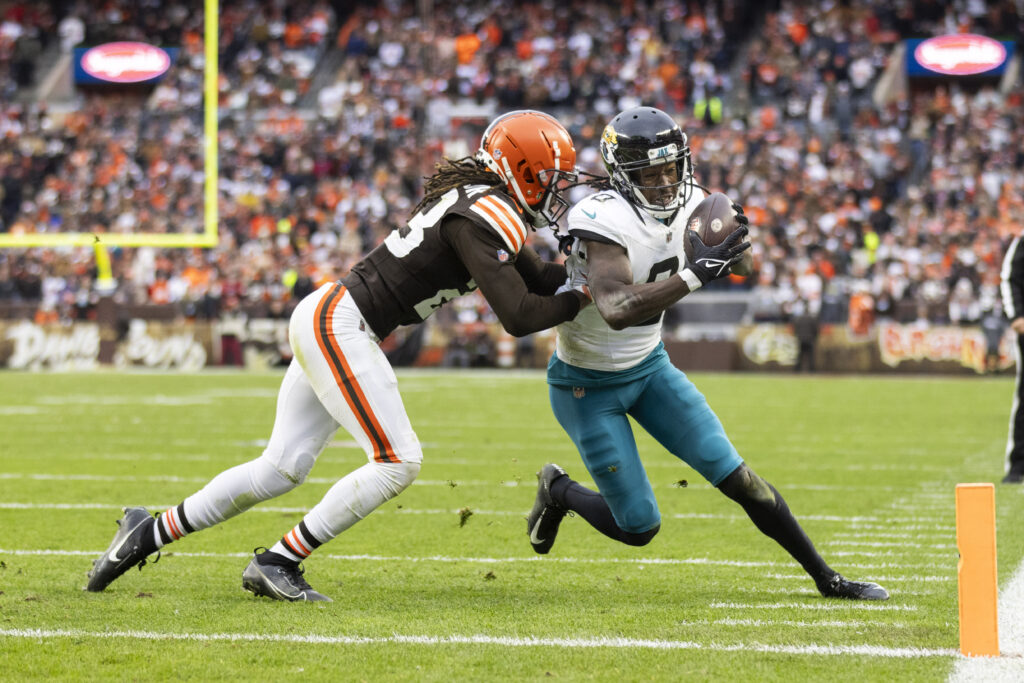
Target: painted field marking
x,y
162,479
888,544
816,606
1009,667
812,592
926,579
885,553
642,561
11,505
503,641
453,483
757,623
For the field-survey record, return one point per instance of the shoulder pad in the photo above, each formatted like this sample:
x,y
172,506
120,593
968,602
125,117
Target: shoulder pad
x,y
604,215
498,214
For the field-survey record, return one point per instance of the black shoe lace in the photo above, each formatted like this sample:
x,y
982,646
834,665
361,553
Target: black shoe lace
x,y
295,575
291,571
146,561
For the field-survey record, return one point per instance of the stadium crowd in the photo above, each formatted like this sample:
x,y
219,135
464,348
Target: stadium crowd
x,y
330,119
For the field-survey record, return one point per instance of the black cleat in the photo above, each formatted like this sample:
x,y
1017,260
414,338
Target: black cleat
x,y
132,543
1013,477
840,587
546,515
271,576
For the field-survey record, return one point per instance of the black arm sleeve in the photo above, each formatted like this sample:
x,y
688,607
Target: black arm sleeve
x,y
541,277
520,311
1012,285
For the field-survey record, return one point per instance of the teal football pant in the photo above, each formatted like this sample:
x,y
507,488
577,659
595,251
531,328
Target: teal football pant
x,y
671,409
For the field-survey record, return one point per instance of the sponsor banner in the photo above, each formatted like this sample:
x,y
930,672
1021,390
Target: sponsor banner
x,y
888,347
122,63
768,345
164,346
964,346
956,55
25,345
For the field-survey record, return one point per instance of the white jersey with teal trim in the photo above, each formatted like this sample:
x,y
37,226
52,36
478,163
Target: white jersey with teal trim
x,y
655,253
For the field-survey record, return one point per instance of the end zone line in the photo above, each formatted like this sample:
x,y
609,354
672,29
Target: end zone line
x,y
503,641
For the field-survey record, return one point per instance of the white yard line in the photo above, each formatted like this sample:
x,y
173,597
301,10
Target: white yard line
x,y
164,479
157,478
758,623
503,641
1009,666
891,544
11,505
831,605
926,579
641,561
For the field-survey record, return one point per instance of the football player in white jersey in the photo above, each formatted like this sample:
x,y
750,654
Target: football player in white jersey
x,y
610,363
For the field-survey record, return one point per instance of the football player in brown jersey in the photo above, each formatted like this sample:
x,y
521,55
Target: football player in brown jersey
x,y
468,232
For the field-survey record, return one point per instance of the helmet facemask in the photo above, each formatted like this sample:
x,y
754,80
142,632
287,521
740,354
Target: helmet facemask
x,y
533,154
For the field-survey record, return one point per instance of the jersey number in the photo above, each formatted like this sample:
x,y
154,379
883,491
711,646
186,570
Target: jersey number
x,y
400,242
662,270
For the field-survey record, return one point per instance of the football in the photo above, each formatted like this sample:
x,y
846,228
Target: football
x,y
713,220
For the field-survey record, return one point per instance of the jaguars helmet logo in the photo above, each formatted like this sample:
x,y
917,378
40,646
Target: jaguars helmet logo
x,y
609,135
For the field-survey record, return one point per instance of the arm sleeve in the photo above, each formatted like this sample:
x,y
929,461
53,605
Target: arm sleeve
x,y
520,311
1012,280
541,277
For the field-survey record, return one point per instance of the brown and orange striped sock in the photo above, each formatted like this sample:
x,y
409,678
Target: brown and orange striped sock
x,y
297,544
172,525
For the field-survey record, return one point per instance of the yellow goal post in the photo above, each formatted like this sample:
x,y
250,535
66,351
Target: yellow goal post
x,y
209,237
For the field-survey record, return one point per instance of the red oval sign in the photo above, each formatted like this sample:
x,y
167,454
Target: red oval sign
x,y
960,54
125,62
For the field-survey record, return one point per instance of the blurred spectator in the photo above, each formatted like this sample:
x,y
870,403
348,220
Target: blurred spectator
x,y
328,123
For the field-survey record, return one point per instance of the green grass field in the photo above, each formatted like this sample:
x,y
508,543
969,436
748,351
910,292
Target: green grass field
x,y
868,464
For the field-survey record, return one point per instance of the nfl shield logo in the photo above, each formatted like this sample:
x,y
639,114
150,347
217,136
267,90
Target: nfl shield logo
x,y
578,392
502,255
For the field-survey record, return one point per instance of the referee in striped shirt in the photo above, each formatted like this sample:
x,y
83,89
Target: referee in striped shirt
x,y
1012,289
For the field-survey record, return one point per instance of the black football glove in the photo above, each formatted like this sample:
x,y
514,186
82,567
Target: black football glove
x,y
741,217
711,263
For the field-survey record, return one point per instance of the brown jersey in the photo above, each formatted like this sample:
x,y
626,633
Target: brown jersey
x,y
470,237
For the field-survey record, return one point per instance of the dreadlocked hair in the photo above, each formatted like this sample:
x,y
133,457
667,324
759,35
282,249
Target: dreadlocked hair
x,y
453,173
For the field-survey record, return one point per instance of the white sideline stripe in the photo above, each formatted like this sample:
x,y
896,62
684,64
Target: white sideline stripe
x,y
815,606
642,561
504,641
1008,667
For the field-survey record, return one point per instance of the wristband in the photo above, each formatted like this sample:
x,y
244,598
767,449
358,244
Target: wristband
x,y
690,278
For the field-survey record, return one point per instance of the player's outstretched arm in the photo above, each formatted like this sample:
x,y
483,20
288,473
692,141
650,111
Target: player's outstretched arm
x,y
519,310
541,277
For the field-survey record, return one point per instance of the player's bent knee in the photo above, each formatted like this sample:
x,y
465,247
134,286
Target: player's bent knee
x,y
395,477
296,462
744,485
639,518
642,538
